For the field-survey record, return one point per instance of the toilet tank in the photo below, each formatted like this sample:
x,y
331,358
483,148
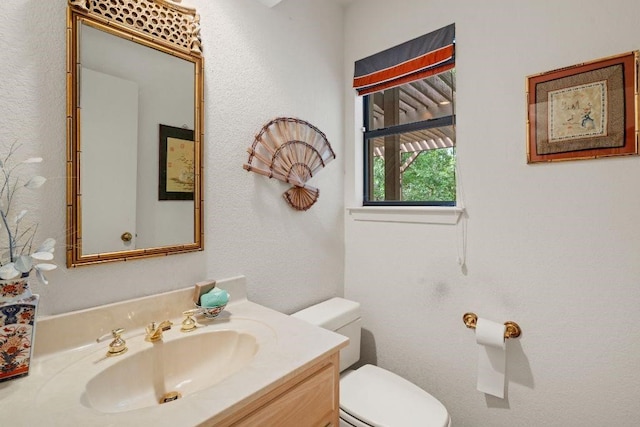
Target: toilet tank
x,y
341,316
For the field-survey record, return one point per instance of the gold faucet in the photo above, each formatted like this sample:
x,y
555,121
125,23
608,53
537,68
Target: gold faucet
x,y
154,332
118,346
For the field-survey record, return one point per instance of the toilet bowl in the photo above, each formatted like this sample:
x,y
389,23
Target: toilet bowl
x,y
371,396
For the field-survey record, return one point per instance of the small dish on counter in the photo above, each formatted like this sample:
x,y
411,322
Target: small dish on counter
x,y
210,312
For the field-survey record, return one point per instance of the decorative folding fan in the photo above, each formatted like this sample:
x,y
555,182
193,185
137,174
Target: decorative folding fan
x,y
291,150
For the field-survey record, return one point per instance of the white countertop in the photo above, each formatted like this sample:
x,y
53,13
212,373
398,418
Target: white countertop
x,y
52,393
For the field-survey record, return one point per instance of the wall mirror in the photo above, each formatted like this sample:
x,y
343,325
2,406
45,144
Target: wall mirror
x,y
134,130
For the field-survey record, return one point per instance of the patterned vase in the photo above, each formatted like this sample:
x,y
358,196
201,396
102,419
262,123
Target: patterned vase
x,y
14,289
17,327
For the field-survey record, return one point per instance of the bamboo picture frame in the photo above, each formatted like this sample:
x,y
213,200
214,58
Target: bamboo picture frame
x,y
584,111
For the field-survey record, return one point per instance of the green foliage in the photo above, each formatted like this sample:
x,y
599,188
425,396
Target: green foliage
x,y
430,178
378,179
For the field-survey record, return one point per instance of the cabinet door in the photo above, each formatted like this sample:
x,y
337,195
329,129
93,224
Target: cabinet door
x,y
310,403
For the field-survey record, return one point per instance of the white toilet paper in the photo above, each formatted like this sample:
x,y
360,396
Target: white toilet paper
x,y
492,357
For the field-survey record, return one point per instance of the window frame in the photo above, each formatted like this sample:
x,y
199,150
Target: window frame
x,y
369,135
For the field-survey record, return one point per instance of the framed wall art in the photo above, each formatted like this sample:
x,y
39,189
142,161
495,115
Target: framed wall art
x,y
176,166
584,111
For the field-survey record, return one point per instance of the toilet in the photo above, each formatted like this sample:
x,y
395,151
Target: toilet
x,y
371,396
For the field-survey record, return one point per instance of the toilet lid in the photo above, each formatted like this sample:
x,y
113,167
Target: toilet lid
x,y
382,398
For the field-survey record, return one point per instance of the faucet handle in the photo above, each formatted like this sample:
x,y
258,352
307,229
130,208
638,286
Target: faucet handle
x,y
150,328
189,323
154,330
116,347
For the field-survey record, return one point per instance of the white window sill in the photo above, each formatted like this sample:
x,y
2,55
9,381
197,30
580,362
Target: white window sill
x,y
408,214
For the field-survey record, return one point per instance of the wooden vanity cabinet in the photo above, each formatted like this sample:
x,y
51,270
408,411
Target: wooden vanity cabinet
x,y
309,398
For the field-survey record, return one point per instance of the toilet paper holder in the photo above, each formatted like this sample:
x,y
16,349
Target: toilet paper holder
x,y
512,329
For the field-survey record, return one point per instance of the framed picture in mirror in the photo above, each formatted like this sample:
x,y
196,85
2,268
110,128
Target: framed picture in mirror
x,y
176,164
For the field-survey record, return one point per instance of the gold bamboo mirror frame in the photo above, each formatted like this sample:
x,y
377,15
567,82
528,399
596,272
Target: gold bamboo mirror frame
x,y
134,130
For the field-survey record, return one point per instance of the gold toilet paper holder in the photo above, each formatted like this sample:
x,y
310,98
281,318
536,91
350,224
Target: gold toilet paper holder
x,y
512,329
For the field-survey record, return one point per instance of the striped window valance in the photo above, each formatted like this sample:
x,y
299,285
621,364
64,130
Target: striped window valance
x,y
416,59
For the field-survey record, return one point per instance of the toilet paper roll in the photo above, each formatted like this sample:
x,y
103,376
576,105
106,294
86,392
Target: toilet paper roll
x,y
492,357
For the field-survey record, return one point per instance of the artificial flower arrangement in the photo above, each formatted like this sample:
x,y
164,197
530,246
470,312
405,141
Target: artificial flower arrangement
x,y
18,258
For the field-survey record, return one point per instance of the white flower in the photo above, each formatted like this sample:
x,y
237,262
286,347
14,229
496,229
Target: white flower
x,y
35,182
20,216
43,267
8,271
16,233
33,160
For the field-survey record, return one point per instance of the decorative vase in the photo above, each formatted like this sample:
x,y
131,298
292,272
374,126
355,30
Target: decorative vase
x,y
12,290
17,327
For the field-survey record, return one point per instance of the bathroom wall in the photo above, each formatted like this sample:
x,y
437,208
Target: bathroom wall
x,y
260,63
554,247
263,63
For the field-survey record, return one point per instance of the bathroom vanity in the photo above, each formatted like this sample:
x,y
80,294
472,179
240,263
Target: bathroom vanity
x,y
308,398
249,366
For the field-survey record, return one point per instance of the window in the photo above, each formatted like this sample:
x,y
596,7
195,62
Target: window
x,y
409,143
409,122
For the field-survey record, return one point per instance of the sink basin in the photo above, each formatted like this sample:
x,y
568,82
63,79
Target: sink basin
x,y
166,370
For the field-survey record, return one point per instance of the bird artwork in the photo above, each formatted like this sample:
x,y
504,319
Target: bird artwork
x,y
292,151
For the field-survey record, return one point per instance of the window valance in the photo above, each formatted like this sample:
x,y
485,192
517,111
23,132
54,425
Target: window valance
x,y
416,59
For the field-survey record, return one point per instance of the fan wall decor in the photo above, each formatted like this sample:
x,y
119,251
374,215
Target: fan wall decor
x,y
292,151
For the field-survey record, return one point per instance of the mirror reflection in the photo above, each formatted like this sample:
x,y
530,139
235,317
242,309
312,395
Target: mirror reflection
x,y
136,148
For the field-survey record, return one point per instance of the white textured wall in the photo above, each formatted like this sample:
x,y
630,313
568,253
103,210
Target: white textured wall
x,y
260,63
554,247
263,63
